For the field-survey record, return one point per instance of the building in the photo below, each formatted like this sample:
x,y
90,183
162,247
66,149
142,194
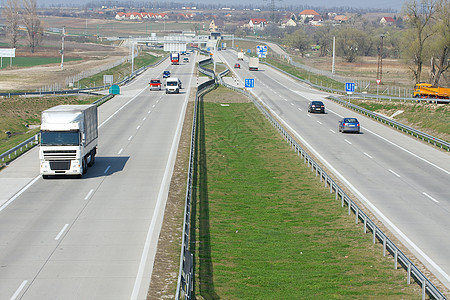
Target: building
x,y
216,25
387,21
307,14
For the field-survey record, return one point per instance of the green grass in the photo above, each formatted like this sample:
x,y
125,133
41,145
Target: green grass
x,y
119,72
265,226
300,73
431,118
24,62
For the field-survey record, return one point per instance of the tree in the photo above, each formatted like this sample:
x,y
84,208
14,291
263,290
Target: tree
x,y
324,38
350,42
32,23
419,21
298,40
440,45
11,14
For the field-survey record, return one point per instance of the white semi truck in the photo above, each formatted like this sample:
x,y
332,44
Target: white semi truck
x,y
69,136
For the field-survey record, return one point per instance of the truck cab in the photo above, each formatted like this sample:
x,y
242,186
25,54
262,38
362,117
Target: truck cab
x,y
173,85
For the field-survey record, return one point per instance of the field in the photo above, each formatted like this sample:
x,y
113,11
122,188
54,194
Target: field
x,y
266,227
25,62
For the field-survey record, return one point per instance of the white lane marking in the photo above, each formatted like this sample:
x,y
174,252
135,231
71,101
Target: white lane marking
x,y
130,137
367,155
430,197
332,131
394,173
161,194
153,106
89,194
137,128
120,151
285,99
107,169
19,193
61,232
104,122
319,122
149,111
13,297
373,207
348,141
400,147
144,119
300,109
309,115
292,104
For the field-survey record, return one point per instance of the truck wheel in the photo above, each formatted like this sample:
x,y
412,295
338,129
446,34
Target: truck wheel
x,y
45,176
84,166
92,159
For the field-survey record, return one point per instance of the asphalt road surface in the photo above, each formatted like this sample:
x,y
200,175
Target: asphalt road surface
x,y
403,181
96,237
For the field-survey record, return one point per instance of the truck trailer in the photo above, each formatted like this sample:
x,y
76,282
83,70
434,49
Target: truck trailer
x,y
240,56
253,64
69,136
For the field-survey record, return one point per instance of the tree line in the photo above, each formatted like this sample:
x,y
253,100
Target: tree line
x,y
24,12
424,38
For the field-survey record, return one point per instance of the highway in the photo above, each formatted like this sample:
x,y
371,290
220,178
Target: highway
x,y
403,181
96,237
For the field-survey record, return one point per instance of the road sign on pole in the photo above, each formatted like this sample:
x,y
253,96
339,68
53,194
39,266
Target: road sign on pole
x,y
350,87
249,83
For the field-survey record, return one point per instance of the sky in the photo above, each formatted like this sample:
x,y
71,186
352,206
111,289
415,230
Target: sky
x,y
392,4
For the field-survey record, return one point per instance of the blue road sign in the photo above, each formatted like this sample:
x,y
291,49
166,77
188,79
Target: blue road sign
x,y
350,87
249,83
262,51
249,51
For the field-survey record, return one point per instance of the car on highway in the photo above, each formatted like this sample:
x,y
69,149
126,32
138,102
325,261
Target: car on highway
x,y
186,59
237,66
349,125
155,84
166,74
316,106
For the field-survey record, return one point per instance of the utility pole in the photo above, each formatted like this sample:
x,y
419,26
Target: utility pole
x,y
62,47
380,62
334,54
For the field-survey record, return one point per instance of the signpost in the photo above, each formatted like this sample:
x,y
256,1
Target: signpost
x,y
262,51
249,83
350,89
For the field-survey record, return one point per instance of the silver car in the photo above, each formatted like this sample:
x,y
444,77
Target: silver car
x,y
349,125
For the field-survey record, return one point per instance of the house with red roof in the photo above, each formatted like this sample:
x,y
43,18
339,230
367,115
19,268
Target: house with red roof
x,y
256,23
387,21
307,13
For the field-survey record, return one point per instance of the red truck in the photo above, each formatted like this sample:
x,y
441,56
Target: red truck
x,y
175,58
155,84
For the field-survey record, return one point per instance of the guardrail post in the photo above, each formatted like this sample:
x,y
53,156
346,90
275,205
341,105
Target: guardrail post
x,y
349,207
331,186
356,215
395,258
424,288
325,180
384,245
365,224
342,200
408,280
374,233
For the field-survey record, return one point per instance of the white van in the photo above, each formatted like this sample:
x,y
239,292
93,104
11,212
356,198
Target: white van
x,y
173,85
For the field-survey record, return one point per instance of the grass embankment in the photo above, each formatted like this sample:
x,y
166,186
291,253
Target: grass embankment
x,y
25,62
266,228
120,72
16,112
430,118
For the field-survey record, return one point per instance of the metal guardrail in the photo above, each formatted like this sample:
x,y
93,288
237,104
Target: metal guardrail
x,y
409,130
377,234
186,273
414,132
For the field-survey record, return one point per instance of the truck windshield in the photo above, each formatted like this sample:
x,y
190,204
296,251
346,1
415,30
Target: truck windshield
x,y
172,83
60,138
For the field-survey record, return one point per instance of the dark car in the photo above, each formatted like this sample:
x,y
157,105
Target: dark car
x,y
349,125
166,74
316,106
237,66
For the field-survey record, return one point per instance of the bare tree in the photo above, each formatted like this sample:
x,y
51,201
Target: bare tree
x,y
12,15
299,40
419,19
32,23
440,46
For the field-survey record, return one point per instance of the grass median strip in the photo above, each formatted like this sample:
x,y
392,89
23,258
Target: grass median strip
x,y
265,226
